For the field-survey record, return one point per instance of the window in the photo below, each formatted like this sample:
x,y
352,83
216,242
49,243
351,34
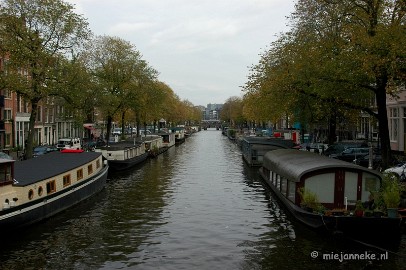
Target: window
x,y
284,186
8,139
66,180
79,174
40,191
30,194
7,114
51,187
98,164
291,191
7,93
393,123
90,169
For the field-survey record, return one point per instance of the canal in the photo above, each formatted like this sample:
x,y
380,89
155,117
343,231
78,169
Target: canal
x,y
197,206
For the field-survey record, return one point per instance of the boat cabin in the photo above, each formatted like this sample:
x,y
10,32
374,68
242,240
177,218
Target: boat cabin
x,y
168,139
254,148
337,184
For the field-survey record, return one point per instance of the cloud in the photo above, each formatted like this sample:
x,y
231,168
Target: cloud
x,y
202,49
129,28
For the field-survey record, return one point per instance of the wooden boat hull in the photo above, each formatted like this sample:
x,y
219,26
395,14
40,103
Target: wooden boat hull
x,y
29,213
373,230
120,165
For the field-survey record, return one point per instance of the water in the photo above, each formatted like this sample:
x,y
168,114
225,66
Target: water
x,y
197,206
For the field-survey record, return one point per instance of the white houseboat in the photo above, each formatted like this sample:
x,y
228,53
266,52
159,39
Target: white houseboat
x,y
38,188
123,155
338,186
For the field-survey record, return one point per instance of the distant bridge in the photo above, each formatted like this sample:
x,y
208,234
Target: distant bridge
x,y
210,123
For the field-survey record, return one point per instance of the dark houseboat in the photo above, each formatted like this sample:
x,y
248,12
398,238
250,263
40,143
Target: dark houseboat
x,y
254,148
38,188
338,186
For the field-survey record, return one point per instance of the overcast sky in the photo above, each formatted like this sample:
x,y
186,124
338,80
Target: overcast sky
x,y
201,48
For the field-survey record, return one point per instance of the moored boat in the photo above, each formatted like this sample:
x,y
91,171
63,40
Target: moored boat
x,y
35,189
168,139
179,135
254,148
338,185
123,155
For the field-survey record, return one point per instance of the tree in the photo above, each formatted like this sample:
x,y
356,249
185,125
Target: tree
x,y
37,34
120,73
232,111
368,57
339,53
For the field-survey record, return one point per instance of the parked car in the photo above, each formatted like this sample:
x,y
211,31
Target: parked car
x,y
90,145
338,147
364,161
69,143
116,131
351,154
43,149
398,170
5,156
145,133
314,147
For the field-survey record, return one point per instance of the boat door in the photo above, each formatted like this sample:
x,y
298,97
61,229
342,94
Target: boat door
x,y
347,188
339,189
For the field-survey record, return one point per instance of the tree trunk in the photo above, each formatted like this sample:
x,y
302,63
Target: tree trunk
x,y
109,120
29,141
383,125
332,128
122,125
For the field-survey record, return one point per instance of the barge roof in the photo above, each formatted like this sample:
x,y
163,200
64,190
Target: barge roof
x,y
293,164
121,145
49,165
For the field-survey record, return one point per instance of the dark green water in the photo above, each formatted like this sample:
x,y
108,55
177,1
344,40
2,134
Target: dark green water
x,y
197,206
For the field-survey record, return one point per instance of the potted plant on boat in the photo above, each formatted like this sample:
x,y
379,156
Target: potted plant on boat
x,y
391,191
359,209
309,200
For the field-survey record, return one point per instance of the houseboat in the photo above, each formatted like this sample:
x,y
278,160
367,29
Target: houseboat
x,y
338,186
154,145
254,148
179,135
123,155
35,189
168,139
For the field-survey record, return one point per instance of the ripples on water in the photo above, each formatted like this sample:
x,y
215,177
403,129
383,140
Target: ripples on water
x,y
197,206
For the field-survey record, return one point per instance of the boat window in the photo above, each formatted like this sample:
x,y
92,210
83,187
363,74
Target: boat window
x,y
51,187
90,169
30,194
370,183
40,191
291,191
254,154
284,186
66,180
5,175
79,174
278,182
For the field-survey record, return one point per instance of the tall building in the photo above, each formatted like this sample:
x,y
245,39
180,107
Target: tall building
x,y
212,111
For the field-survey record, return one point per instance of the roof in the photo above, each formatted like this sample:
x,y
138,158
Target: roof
x,y
121,145
269,141
49,165
293,164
